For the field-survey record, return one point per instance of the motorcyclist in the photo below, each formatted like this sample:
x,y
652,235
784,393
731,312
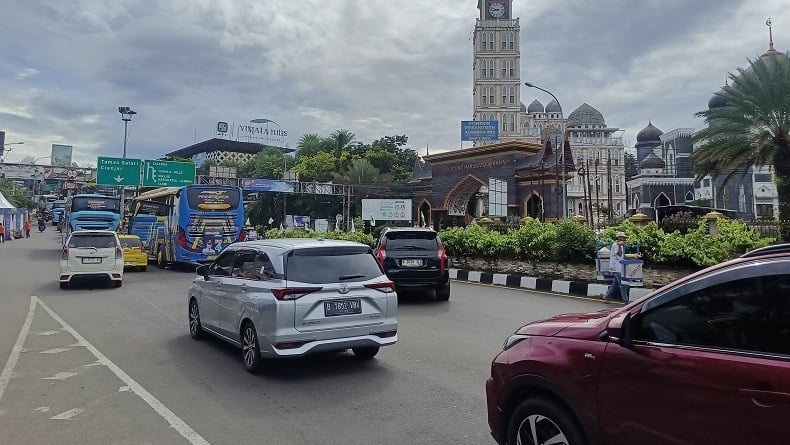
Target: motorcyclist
x,y
42,224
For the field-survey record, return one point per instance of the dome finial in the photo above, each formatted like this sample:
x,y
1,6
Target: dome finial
x,y
726,82
770,35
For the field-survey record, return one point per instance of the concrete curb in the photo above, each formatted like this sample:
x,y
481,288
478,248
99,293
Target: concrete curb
x,y
576,288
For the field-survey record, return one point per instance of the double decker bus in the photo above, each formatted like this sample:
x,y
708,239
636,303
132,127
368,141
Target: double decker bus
x,y
189,224
91,212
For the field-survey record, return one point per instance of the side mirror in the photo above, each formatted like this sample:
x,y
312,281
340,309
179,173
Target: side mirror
x,y
203,270
620,329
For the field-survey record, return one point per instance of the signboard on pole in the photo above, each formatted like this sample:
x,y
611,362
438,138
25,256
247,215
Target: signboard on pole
x,y
118,171
386,209
61,155
168,173
479,130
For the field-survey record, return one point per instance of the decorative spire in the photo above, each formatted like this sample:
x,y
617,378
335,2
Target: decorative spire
x,y
771,49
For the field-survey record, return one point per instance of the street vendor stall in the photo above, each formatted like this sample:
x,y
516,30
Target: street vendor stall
x,y
12,218
630,267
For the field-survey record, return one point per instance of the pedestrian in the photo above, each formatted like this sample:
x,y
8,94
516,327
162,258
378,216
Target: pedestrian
x,y
27,228
617,254
2,233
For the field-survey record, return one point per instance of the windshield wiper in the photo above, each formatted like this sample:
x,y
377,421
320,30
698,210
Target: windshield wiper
x,y
349,277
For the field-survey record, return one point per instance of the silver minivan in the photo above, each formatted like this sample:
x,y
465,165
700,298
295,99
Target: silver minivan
x,y
295,297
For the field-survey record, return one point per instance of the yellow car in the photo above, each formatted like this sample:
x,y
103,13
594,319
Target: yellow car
x,y
134,254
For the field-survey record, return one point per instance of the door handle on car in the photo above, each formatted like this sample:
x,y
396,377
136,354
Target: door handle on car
x,y
766,399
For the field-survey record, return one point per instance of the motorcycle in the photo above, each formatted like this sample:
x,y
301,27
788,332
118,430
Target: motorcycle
x,y
42,225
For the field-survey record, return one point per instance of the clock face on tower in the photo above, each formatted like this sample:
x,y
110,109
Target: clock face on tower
x,y
496,9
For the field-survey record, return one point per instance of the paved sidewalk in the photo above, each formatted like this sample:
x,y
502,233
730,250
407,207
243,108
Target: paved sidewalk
x,y
577,288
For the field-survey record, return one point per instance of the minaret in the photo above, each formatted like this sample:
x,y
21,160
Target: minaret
x,y
497,59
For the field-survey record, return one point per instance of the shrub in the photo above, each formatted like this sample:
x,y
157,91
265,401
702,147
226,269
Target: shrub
x,y
575,242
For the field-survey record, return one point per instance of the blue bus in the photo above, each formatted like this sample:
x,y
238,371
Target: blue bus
x,y
58,210
91,212
189,224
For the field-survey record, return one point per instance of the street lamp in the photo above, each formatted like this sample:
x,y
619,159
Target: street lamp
x,y
560,146
3,149
126,116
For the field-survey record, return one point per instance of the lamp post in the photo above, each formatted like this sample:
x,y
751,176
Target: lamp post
x,y
126,116
560,146
3,149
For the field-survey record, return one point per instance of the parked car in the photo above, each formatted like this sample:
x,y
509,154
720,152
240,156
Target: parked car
x,y
414,259
704,360
134,253
91,255
294,297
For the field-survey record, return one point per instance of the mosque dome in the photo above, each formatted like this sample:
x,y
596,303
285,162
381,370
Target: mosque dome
x,y
652,161
585,114
649,134
553,107
535,107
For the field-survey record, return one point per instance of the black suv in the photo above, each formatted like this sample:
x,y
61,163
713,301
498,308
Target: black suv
x,y
414,259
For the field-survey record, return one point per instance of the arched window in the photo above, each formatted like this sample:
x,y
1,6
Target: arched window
x,y
504,95
491,68
504,40
617,184
483,96
689,197
581,207
635,201
597,183
491,96
484,40
490,40
512,95
511,40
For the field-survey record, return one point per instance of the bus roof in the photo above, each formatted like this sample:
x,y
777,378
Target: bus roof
x,y
167,191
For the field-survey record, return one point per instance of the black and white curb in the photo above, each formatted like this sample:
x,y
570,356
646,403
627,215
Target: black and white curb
x,y
577,288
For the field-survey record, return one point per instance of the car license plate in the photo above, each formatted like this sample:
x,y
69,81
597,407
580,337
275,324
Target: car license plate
x,y
342,307
91,260
211,257
411,263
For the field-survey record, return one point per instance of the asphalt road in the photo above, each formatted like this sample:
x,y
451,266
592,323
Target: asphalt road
x,y
117,366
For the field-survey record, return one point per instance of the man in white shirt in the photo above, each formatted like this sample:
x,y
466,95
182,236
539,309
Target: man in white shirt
x,y
616,255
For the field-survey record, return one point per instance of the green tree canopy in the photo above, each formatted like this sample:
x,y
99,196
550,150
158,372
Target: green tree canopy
x,y
318,167
751,128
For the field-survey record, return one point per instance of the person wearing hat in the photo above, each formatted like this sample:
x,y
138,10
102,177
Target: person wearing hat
x,y
616,255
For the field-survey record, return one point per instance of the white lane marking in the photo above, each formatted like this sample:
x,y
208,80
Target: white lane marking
x,y
47,333
124,389
74,345
55,351
67,415
61,376
8,370
42,409
176,422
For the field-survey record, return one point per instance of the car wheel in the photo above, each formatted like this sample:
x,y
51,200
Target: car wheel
x,y
64,284
118,283
538,421
443,293
160,259
365,353
250,352
195,328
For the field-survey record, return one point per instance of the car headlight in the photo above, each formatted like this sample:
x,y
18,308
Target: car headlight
x,y
513,340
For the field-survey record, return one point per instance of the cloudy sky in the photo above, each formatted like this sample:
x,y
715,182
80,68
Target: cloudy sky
x,y
374,67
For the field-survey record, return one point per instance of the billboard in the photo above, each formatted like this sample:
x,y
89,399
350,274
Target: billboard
x,y
61,155
479,130
22,171
2,143
386,209
266,185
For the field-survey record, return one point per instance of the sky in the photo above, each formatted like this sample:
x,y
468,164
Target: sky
x,y
373,67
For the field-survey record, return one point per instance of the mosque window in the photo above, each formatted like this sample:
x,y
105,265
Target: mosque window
x,y
491,95
512,95
617,184
512,40
483,40
490,40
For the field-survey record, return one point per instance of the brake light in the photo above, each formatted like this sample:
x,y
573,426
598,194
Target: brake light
x,y
383,286
65,254
293,293
381,255
242,235
118,253
182,237
142,248
442,259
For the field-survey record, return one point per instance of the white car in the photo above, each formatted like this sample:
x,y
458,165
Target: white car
x,y
91,255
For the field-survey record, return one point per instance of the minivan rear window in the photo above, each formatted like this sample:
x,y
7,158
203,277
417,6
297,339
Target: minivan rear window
x,y
417,240
332,265
131,242
97,241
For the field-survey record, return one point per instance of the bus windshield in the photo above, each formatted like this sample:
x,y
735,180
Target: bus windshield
x,y
58,205
105,204
222,200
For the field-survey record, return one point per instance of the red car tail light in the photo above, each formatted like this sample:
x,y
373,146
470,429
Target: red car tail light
x,y
442,259
65,254
381,255
384,286
142,248
293,293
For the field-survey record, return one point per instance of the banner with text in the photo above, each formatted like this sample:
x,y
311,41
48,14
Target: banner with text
x,y
479,130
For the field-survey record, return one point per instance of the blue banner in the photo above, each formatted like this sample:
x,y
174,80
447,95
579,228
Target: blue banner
x,y
266,185
479,130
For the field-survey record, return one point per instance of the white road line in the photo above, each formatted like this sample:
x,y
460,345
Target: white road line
x,y
10,365
179,425
67,415
55,351
61,376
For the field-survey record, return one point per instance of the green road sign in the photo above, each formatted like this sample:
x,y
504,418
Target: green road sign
x,y
168,173
118,171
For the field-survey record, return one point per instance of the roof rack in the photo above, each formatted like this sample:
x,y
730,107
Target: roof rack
x,y
768,250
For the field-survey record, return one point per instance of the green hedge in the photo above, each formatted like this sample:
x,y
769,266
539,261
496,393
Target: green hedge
x,y
572,242
359,237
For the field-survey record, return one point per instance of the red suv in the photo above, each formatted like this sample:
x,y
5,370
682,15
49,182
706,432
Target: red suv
x,y
704,360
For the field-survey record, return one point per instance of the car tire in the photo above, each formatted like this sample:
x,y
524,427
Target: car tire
x,y
118,283
365,353
64,284
552,421
195,328
443,293
250,352
160,258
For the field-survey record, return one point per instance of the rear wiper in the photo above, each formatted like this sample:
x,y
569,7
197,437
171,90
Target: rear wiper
x,y
349,277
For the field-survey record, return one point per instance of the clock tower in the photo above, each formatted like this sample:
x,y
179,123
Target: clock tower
x,y
497,59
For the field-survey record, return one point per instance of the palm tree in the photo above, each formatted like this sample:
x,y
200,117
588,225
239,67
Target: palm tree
x,y
309,144
361,171
751,127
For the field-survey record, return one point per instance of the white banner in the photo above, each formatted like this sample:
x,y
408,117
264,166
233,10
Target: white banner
x,y
386,209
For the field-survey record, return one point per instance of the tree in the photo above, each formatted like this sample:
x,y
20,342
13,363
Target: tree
x,y
362,171
318,167
631,166
751,128
309,144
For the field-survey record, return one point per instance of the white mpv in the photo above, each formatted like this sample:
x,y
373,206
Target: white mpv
x,y
91,255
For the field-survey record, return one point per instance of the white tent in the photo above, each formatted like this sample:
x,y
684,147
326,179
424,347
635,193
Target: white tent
x,y
11,217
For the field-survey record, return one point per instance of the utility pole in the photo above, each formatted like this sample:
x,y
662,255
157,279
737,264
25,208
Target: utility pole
x,y
597,187
609,179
